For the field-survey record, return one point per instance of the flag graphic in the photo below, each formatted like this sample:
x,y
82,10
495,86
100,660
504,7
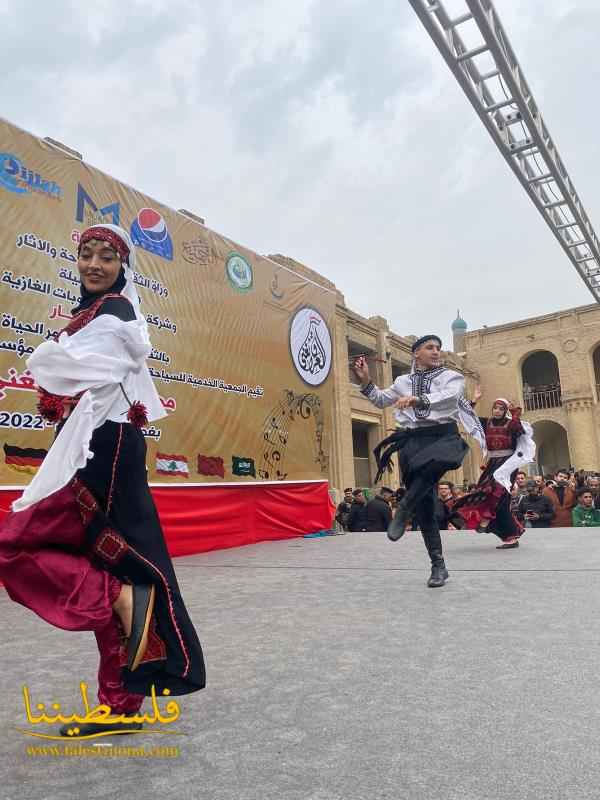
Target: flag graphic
x,y
211,465
172,465
23,459
243,466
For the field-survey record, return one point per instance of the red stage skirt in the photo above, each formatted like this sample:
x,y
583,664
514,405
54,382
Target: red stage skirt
x,y
196,519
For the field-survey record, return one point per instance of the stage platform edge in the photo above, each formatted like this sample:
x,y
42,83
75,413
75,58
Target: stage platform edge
x,y
199,518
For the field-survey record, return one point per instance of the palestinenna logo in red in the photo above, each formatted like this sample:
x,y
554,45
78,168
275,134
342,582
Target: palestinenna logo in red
x,y
167,464
211,465
24,459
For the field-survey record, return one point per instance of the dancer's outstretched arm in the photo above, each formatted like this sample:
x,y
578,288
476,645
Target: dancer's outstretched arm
x,y
379,397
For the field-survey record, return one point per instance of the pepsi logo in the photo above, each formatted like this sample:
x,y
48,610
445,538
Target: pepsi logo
x,y
152,225
149,231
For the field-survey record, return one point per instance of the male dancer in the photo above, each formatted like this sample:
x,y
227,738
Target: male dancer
x,y
430,402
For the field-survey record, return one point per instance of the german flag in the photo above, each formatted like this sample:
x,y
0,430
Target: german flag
x,y
23,459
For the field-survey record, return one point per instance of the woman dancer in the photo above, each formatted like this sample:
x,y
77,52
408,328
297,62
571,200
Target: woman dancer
x,y
510,445
83,547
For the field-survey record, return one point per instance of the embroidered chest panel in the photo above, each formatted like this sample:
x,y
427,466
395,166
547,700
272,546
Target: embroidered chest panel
x,y
422,381
498,437
83,318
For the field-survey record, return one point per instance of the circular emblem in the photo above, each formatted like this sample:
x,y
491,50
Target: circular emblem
x,y
570,345
239,272
152,225
503,359
310,346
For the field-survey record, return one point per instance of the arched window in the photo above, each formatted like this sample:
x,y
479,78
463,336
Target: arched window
x,y
552,447
541,381
596,360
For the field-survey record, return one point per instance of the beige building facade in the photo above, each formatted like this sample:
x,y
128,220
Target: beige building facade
x,y
550,365
357,426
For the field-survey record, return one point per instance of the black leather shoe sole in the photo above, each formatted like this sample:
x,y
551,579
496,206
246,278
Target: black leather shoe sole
x,y
74,731
397,527
143,606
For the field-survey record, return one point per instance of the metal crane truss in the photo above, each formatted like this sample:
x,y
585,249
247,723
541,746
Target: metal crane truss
x,y
491,77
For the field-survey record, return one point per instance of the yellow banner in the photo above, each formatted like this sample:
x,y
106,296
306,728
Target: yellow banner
x,y
242,346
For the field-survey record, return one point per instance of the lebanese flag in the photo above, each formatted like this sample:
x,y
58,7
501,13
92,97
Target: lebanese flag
x,y
23,459
172,465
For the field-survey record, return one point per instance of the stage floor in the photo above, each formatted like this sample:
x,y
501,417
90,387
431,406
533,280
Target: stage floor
x,y
335,674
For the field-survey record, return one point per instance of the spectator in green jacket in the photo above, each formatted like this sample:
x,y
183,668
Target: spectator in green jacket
x,y
584,514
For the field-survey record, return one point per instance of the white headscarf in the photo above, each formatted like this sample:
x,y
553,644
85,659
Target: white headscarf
x,y
506,403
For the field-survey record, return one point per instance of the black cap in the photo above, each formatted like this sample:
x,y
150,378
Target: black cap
x,y
424,339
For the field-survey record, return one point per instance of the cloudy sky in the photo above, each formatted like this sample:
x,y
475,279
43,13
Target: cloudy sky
x,y
331,132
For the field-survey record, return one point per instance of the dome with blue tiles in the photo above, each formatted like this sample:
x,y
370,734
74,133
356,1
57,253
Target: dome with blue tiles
x,y
459,324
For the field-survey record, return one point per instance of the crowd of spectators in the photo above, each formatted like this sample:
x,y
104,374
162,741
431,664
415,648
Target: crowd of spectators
x,y
566,499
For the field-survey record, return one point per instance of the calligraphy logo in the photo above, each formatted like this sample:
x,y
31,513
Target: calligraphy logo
x,y
196,251
149,231
98,716
15,177
239,272
88,212
310,346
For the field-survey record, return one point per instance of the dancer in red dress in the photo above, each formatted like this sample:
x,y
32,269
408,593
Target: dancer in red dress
x,y
510,445
84,548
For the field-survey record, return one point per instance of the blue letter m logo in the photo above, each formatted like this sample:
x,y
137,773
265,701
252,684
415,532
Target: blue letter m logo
x,y
94,214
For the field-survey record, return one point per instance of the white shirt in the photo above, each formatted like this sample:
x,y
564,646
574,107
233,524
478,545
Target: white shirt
x,y
95,360
441,393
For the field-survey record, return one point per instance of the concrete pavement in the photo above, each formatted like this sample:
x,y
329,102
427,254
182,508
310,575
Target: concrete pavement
x,y
335,674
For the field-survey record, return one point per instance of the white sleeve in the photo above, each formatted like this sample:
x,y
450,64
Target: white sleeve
x,y
383,397
101,354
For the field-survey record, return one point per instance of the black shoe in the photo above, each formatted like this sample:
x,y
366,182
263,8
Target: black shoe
x,y
74,731
510,545
397,526
439,576
143,606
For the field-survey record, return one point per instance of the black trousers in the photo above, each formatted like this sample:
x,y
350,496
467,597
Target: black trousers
x,y
424,458
420,499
